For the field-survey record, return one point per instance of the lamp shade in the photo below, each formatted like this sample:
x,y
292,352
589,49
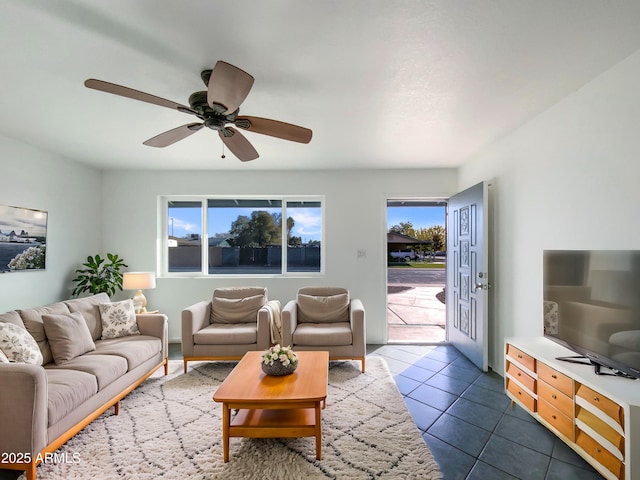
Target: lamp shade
x,y
139,280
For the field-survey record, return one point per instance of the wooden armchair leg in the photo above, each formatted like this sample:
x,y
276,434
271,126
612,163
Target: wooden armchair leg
x,y
185,365
166,366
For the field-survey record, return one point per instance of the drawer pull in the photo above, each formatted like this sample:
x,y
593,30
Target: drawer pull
x,y
519,356
554,417
554,396
554,376
596,399
519,374
598,450
519,393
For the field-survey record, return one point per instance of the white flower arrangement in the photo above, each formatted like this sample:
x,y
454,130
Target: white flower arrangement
x,y
29,259
284,355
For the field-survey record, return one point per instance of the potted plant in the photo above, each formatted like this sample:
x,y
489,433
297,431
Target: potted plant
x,y
99,275
279,360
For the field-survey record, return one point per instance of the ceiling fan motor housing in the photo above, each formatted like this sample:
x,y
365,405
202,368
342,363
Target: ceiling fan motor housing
x,y
213,117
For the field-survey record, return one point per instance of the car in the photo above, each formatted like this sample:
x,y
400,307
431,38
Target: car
x,y
406,255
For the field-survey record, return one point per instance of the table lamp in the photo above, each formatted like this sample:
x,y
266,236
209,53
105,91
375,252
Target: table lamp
x,y
139,281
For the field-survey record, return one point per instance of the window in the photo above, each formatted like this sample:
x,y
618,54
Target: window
x,y
243,236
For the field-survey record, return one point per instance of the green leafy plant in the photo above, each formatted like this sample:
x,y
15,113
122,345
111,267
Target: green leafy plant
x,y
99,275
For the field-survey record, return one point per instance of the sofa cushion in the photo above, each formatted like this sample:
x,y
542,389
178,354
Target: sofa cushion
x,y
224,334
136,349
118,319
68,389
322,309
3,357
12,317
32,318
68,336
318,334
236,310
88,307
106,368
18,345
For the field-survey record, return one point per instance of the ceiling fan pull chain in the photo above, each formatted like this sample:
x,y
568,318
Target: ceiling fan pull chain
x,y
222,151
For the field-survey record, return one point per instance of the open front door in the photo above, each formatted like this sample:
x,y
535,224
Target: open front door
x,y
467,274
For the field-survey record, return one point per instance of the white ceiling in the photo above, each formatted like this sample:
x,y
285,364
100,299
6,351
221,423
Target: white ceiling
x,y
382,83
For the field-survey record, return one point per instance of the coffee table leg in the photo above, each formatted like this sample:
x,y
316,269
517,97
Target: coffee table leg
x,y
318,431
226,422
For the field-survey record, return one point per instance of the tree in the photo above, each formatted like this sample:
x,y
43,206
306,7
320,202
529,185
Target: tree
x,y
264,229
404,228
240,232
435,234
260,230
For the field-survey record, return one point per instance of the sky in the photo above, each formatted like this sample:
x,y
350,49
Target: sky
x,y
34,222
420,217
307,221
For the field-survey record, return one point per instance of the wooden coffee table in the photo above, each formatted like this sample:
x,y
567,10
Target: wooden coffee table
x,y
274,407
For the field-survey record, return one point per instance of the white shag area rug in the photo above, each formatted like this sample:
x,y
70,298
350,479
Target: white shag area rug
x,y
170,428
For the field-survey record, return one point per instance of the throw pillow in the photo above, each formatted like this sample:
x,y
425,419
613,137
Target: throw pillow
x,y
18,345
236,310
118,319
3,357
324,308
69,336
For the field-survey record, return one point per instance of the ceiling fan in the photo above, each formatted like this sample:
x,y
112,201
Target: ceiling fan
x,y
218,107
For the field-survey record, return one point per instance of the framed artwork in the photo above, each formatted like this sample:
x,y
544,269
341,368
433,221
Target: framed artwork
x,y
23,239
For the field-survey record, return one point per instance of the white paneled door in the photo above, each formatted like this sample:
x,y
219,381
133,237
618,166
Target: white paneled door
x,y
467,274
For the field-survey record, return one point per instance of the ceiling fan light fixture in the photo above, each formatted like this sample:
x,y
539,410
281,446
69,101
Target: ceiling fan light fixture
x,y
217,108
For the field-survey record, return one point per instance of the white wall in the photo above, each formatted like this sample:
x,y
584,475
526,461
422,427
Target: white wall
x,y
69,192
355,213
568,179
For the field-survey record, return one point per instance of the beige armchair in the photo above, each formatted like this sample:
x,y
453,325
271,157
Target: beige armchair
x,y
235,321
326,318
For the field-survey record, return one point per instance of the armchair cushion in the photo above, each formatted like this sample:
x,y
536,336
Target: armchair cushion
x,y
236,310
323,309
227,334
319,334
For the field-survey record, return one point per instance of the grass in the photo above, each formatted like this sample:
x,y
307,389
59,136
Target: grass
x,y
415,265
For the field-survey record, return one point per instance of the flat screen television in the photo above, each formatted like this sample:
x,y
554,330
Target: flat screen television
x,y
592,306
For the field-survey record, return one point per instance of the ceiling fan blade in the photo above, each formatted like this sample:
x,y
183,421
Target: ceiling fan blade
x,y
274,128
228,86
238,144
135,94
172,136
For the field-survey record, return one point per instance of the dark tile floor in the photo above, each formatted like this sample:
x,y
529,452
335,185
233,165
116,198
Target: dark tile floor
x,y
466,419
469,423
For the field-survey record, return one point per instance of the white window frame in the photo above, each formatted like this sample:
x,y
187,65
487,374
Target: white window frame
x,y
163,235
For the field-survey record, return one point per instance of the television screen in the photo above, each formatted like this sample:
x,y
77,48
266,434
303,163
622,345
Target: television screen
x,y
592,305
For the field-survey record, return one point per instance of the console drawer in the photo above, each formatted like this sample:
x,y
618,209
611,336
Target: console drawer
x,y
559,420
584,416
527,400
555,398
600,454
521,357
555,379
521,376
606,405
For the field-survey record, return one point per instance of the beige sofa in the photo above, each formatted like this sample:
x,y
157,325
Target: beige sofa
x,y
43,406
